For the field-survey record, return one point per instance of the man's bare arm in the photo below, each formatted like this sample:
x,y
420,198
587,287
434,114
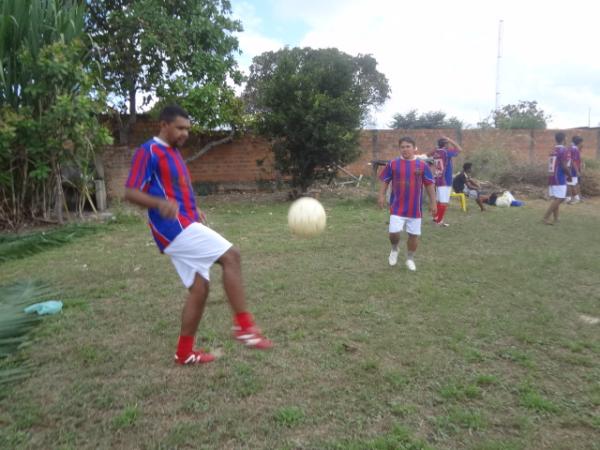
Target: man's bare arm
x,y
166,208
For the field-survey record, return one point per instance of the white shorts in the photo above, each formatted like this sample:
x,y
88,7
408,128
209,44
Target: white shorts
x,y
573,181
442,194
559,191
195,250
471,193
397,224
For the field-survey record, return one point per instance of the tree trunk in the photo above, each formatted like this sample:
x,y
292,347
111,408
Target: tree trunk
x,y
59,200
125,129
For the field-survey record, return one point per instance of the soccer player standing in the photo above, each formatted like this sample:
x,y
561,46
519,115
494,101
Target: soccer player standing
x,y
558,175
573,189
159,180
408,175
442,163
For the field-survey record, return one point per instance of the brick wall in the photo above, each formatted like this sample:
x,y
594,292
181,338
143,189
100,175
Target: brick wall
x,y
247,162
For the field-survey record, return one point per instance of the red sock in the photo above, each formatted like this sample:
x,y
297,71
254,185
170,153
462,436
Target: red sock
x,y
437,214
185,346
244,320
441,211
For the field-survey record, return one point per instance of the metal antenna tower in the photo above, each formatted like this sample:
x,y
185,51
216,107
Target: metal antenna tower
x,y
500,26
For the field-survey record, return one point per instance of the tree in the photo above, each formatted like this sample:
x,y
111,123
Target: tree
x,y
164,49
523,115
311,104
429,120
48,113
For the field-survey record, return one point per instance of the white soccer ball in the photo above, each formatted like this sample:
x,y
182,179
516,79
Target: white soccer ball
x,y
306,217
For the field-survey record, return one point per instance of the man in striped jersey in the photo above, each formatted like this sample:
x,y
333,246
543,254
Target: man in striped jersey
x,y
573,189
408,175
559,173
442,162
159,180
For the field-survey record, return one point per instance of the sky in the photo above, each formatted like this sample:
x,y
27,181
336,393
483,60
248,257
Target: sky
x,y
443,55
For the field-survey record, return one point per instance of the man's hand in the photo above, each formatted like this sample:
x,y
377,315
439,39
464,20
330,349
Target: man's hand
x,y
168,209
433,210
381,201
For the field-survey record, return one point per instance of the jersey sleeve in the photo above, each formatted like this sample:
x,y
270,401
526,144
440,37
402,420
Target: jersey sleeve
x,y
453,152
386,173
141,170
427,175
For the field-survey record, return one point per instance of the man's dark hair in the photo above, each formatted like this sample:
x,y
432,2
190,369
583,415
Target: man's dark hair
x,y
467,166
407,139
560,137
577,140
442,142
170,113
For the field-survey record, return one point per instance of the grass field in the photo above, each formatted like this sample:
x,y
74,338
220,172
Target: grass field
x,y
484,347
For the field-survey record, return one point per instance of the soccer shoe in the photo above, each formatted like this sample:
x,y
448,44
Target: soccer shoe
x,y
410,265
393,258
251,337
198,357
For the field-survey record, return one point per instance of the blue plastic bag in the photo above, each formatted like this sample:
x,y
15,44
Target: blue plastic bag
x,y
516,203
49,307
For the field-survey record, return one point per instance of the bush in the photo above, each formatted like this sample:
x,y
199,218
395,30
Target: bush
x,y
590,182
533,174
491,164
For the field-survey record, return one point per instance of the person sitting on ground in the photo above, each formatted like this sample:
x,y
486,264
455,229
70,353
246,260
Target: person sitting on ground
x,y
463,183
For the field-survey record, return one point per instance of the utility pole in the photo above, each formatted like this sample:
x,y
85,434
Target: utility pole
x,y
500,26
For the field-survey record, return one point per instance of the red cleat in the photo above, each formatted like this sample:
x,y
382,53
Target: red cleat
x,y
251,337
198,357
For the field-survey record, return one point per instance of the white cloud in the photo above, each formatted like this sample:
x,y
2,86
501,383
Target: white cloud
x,y
441,55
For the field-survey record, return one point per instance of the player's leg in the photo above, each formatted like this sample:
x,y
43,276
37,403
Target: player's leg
x,y
480,203
550,211
395,228
190,319
443,198
557,195
556,208
479,199
232,279
569,196
576,190
245,329
194,306
394,241
413,229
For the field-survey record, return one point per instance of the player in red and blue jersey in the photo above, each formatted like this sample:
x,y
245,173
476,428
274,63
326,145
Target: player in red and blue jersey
x,y
407,176
573,189
559,173
442,163
159,180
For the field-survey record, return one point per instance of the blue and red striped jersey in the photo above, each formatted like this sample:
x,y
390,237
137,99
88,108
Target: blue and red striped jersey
x,y
442,163
159,170
558,157
575,157
407,177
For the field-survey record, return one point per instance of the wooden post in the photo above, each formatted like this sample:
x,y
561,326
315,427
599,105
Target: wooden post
x,y
100,195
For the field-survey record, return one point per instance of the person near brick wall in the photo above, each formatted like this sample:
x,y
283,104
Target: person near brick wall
x,y
159,180
442,166
559,173
407,175
463,183
573,189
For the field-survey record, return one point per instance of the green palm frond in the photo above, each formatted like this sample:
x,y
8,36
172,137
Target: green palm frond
x,y
15,324
17,246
